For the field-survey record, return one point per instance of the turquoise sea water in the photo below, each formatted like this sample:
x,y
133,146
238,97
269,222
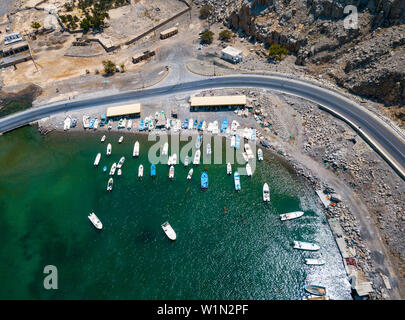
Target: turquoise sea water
x,y
48,186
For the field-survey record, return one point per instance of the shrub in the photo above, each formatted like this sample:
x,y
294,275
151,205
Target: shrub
x,y
225,35
277,52
109,67
207,36
35,25
205,11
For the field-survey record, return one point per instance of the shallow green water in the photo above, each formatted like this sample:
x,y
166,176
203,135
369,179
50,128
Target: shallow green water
x,y
48,185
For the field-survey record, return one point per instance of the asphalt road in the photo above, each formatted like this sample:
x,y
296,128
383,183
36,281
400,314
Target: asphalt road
x,y
382,138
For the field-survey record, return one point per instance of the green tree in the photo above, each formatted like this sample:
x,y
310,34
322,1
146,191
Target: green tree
x,y
109,67
277,52
207,36
205,11
225,35
85,24
35,25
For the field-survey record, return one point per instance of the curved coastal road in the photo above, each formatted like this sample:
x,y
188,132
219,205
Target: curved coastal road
x,y
388,143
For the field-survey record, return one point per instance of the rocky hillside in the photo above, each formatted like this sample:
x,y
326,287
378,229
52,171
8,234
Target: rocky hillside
x,y
368,61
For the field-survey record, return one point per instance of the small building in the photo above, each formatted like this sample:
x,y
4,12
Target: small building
x,y
14,50
168,33
232,54
12,38
128,111
217,102
143,56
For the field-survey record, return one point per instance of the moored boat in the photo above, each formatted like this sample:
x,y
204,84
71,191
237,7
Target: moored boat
x,y
197,157
236,178
119,172
229,168
245,156
260,154
266,193
110,184
233,139
97,160
204,180
95,221
129,124
315,262
121,162
86,122
208,149
167,228
291,215
171,172
140,171
190,174
224,125
248,170
120,139
249,151
105,169
113,168
109,124
109,148
103,138
141,126
67,123
152,170
198,142
135,153
305,246
237,141
315,290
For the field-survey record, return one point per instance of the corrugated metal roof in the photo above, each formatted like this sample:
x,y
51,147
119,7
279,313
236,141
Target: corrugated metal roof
x,y
218,101
124,110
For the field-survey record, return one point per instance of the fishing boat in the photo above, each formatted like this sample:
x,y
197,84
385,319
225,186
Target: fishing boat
x,y
110,184
260,154
204,180
120,139
315,262
208,149
97,161
113,168
186,123
237,141
135,153
229,168
150,126
215,129
96,122
119,172
291,215
167,228
153,170
190,174
195,124
165,149
140,171
105,169
86,122
236,178
248,170
103,138
141,126
186,161
91,125
168,124
95,221
109,148
315,290
224,125
249,151
233,139
121,162
129,125
171,172
109,124
200,125
305,246
198,142
266,193
67,123
197,157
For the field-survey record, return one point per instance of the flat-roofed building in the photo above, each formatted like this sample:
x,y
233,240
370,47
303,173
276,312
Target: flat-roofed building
x,y
232,54
168,33
217,102
12,38
128,111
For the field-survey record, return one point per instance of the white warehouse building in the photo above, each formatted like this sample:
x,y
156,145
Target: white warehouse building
x,y
232,54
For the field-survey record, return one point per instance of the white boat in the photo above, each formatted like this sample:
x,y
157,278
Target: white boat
x,y
120,139
103,138
97,161
171,172
233,141
204,126
109,124
140,171
249,152
190,123
315,262
229,168
113,168
95,221
67,123
121,162
291,215
150,126
197,157
135,153
165,149
190,174
208,149
266,193
124,123
215,128
167,228
119,172
110,184
172,160
168,124
109,148
96,124
305,246
186,161
260,154
86,122
129,125
248,170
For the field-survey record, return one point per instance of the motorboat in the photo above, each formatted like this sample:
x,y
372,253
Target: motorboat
x,y
172,160
208,149
229,168
167,228
245,156
120,139
97,160
215,129
190,174
168,124
198,142
315,262
113,168
150,126
96,122
224,125
236,178
186,161
291,215
95,221
315,290
141,126
109,127
119,172
67,123
129,124
190,123
233,139
124,123
195,124
140,171
171,172
105,169
249,151
110,184
109,148
135,153
204,180
248,170
121,162
200,125
152,170
103,138
260,154
86,122
197,157
266,193
204,126
305,246
165,149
